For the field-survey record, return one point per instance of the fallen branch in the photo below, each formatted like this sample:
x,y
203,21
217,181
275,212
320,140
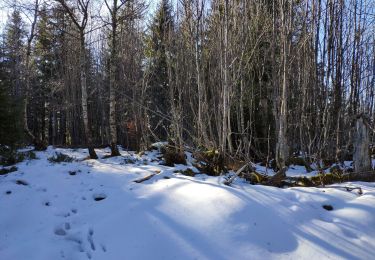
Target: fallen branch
x,y
278,178
347,188
238,172
145,178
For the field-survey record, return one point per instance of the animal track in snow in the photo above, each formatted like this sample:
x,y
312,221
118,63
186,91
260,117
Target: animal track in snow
x,y
64,214
67,225
22,182
77,240
99,196
59,231
90,239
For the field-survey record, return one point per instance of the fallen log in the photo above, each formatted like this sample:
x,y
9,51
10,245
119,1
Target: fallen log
x,y
145,178
281,180
238,172
278,178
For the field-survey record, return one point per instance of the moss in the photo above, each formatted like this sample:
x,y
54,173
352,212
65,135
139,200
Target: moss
x,y
327,178
253,177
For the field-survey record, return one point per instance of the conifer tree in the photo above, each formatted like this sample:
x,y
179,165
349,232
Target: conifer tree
x,y
11,71
14,51
157,51
46,66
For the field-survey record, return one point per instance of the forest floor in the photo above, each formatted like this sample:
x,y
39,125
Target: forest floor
x,y
93,209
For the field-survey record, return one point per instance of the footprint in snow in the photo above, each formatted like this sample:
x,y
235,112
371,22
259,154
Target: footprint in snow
x,y
62,214
22,182
59,231
99,196
67,225
41,189
76,239
327,207
90,238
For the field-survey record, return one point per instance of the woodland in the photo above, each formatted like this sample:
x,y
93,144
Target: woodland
x,y
278,82
187,129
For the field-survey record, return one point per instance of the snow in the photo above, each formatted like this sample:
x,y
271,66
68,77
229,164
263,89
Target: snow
x,y
93,209
300,171
293,171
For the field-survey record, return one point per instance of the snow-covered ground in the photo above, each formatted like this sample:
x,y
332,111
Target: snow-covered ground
x,y
93,209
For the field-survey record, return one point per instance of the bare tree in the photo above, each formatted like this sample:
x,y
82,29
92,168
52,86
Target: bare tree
x,y
80,21
282,149
38,143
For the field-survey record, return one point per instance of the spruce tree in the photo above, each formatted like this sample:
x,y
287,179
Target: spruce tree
x,y
157,51
14,51
11,71
46,71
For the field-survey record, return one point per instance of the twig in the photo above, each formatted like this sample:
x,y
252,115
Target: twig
x,y
231,179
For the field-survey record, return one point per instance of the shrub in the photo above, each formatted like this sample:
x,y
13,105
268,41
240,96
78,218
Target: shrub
x,y
210,162
187,172
173,156
299,161
60,157
9,156
4,171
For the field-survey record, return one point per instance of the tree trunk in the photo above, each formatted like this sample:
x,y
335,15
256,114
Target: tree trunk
x,y
84,98
112,84
282,149
37,142
361,156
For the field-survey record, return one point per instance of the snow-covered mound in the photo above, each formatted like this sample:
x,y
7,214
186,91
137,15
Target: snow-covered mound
x,y
93,209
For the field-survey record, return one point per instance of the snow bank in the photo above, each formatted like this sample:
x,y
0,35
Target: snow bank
x,y
92,209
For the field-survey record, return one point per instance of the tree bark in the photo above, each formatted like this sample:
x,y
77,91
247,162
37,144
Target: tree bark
x,y
84,97
282,148
113,80
361,156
